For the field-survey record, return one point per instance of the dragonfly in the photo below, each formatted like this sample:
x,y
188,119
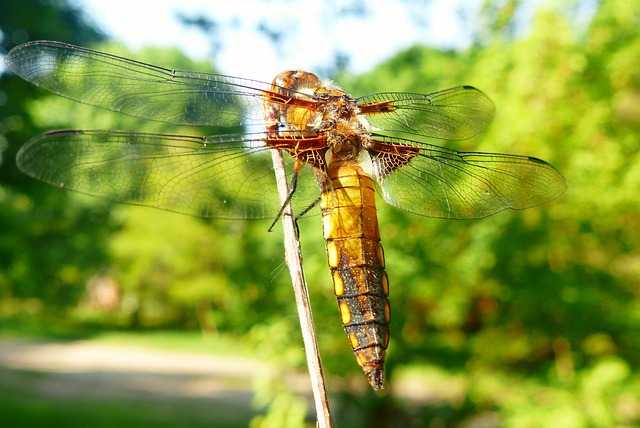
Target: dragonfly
x,y
340,152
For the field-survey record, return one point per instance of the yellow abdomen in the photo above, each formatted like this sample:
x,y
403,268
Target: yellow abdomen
x,y
356,260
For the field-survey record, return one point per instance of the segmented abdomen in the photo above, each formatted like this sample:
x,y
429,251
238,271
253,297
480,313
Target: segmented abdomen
x,y
356,260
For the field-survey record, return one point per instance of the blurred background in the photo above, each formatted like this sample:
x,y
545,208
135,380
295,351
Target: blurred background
x,y
113,314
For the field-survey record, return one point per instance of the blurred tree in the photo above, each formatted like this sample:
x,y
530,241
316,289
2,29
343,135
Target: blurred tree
x,y
40,265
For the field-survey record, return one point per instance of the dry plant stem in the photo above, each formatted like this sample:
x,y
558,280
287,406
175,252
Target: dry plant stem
x,y
293,258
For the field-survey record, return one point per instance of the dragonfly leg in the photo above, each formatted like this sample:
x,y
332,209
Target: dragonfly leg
x,y
292,189
309,208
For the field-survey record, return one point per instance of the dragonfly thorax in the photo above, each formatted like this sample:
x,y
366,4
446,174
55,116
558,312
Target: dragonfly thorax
x,y
337,112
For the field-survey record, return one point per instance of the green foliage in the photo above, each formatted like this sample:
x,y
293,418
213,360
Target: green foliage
x,y
41,260
521,319
542,305
286,410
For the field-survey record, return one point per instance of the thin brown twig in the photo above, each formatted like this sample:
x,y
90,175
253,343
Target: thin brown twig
x,y
293,258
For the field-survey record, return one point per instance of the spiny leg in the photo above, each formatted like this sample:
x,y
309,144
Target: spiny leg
x,y
292,189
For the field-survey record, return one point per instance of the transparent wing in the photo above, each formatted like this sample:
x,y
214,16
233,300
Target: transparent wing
x,y
451,114
225,176
139,89
443,183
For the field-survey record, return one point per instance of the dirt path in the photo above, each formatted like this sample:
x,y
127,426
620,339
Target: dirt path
x,y
86,369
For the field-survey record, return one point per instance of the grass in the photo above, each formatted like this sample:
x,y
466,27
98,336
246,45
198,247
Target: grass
x,y
59,329
22,406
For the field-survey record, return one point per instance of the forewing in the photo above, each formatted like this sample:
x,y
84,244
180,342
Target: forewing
x,y
139,89
451,114
443,183
225,176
